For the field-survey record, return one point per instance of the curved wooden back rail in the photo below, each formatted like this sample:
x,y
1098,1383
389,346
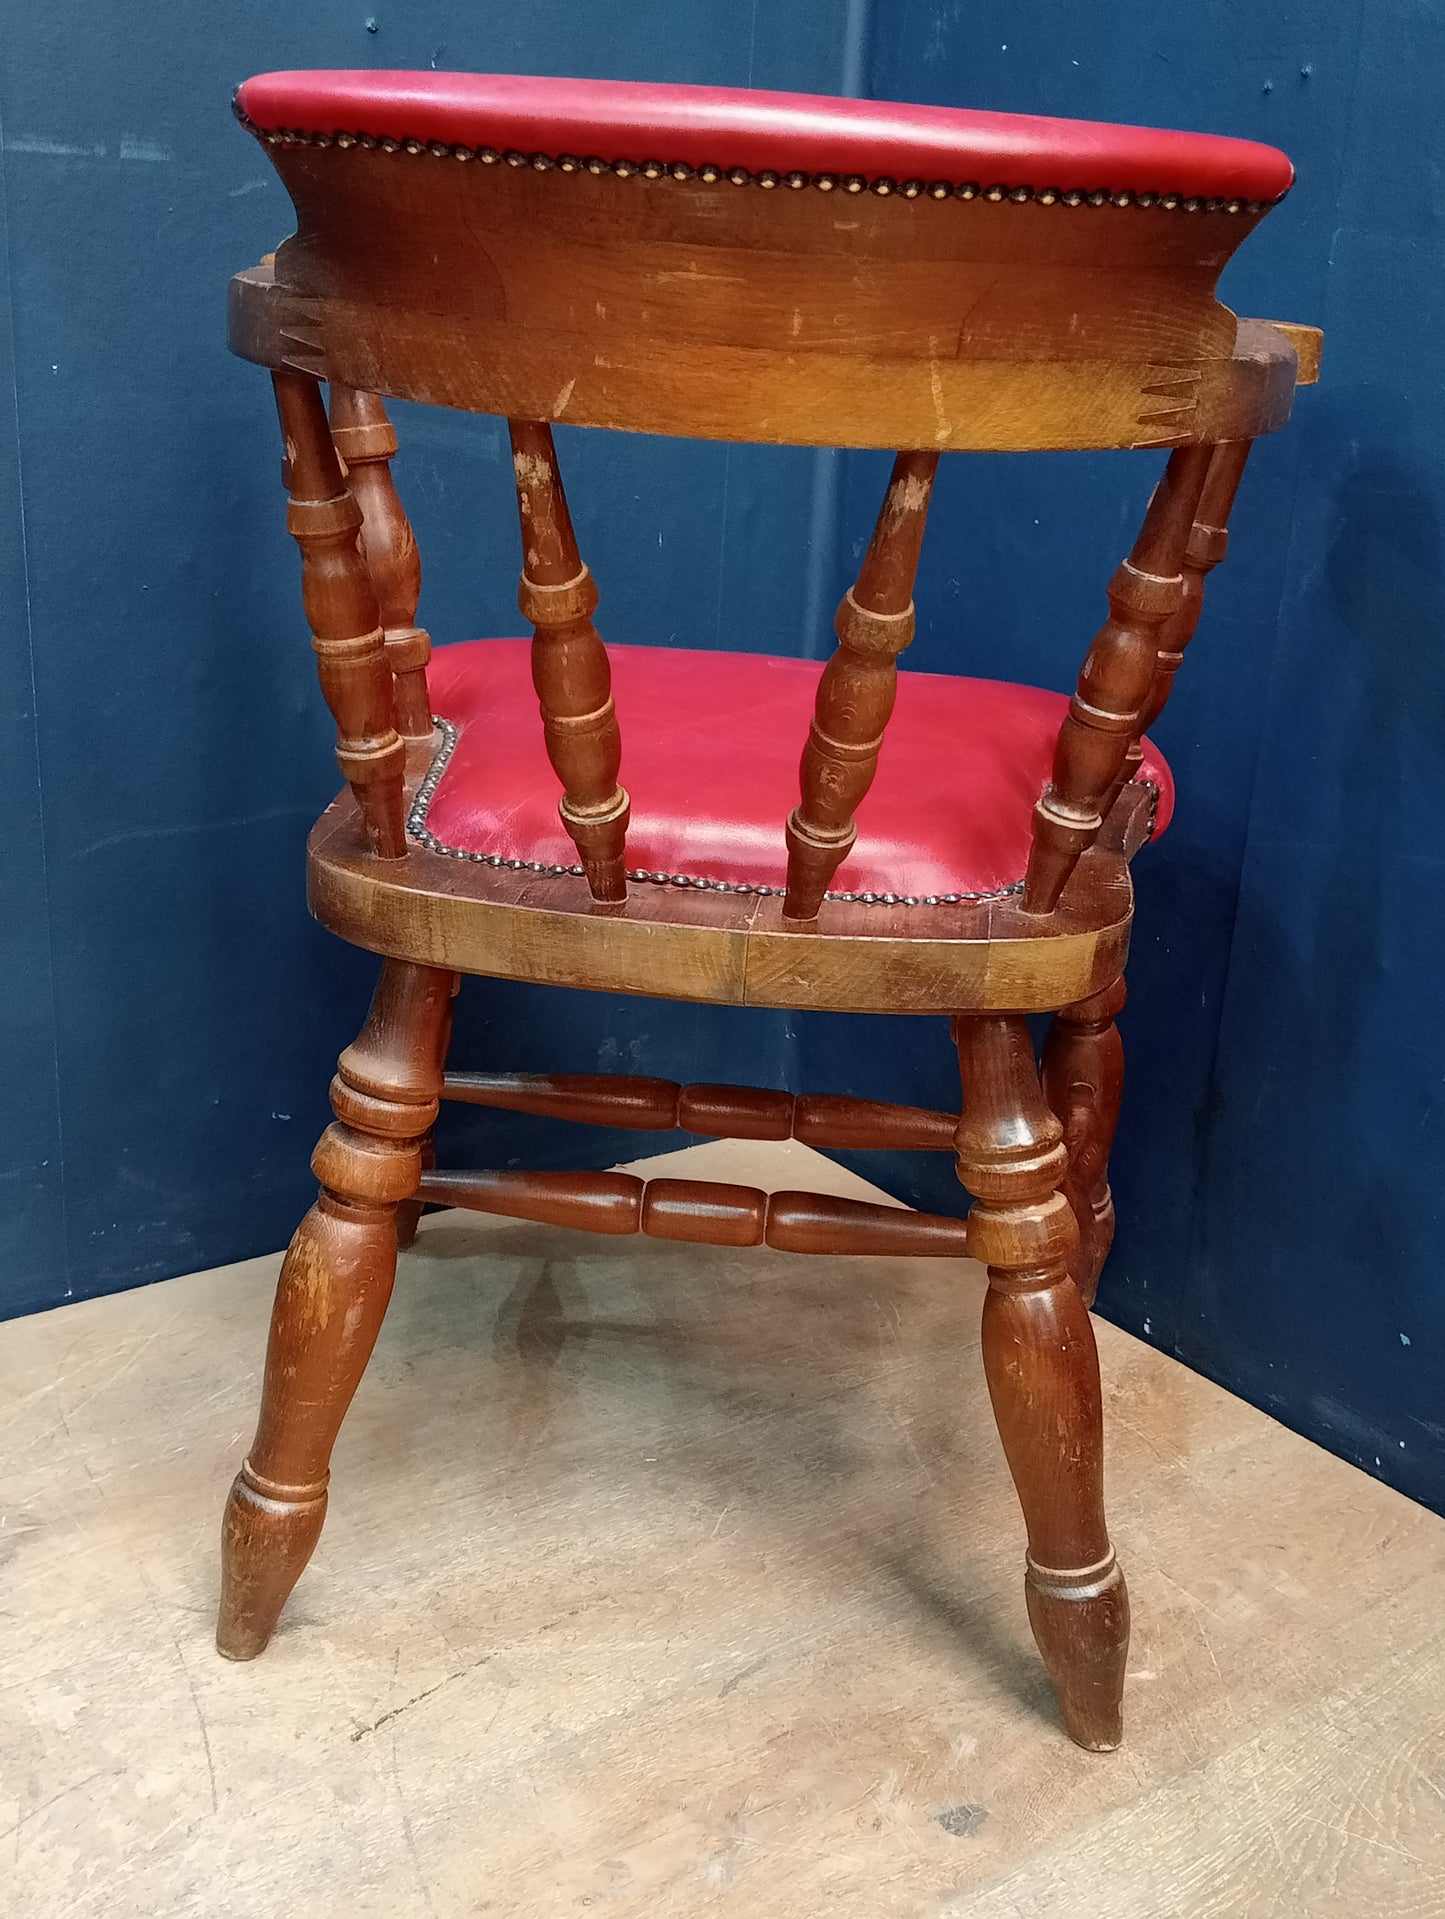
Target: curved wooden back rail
x,y
785,306
666,305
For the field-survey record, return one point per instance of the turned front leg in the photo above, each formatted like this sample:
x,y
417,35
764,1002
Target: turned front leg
x,y
1043,1371
335,1284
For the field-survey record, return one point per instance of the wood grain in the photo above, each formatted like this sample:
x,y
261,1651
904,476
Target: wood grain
x,y
858,399
723,949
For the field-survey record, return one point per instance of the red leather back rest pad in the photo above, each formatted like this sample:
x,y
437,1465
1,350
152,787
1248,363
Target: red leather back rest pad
x,y
733,127
710,750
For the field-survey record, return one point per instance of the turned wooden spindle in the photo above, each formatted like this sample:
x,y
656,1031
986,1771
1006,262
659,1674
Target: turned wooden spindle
x,y
1104,715
366,441
722,1112
874,623
703,1212
1083,1079
569,665
332,1295
1208,542
341,607
1043,1370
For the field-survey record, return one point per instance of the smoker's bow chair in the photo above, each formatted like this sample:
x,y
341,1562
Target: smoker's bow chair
x,y
763,267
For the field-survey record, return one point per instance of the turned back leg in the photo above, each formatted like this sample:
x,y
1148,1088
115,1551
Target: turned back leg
x,y
333,1292
1083,1083
1043,1370
409,1212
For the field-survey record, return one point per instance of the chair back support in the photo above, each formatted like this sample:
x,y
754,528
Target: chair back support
x,y
683,298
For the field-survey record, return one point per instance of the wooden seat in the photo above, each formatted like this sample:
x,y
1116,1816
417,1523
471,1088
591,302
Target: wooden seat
x,y
740,829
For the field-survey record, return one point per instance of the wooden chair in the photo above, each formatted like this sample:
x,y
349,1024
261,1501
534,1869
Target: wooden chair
x,y
741,266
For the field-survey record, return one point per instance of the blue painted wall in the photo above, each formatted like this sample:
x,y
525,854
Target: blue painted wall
x,y
1281,1160
171,1017
174,1017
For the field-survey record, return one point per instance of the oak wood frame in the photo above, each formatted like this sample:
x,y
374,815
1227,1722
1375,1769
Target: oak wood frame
x,y
1082,326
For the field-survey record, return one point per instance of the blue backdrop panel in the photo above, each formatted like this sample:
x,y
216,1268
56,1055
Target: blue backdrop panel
x,y
32,1221
1317,1285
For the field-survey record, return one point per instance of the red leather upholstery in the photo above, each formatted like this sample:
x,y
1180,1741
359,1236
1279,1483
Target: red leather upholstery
x,y
728,127
710,750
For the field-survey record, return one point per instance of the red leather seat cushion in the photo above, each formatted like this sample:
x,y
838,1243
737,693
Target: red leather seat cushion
x,y
786,132
710,750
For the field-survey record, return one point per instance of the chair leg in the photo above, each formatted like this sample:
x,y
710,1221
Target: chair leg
x,y
409,1212
1043,1371
335,1284
1083,1083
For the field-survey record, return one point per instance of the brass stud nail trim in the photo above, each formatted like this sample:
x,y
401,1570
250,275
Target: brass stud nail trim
x,y
418,830
884,186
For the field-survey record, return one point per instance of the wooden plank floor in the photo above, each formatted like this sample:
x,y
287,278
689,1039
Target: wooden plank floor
x,y
667,1581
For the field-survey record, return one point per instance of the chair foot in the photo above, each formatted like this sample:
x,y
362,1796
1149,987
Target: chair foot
x,y
335,1285
333,1293
1080,1623
265,1544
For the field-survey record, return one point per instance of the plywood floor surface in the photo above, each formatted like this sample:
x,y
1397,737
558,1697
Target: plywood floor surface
x,y
669,1581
